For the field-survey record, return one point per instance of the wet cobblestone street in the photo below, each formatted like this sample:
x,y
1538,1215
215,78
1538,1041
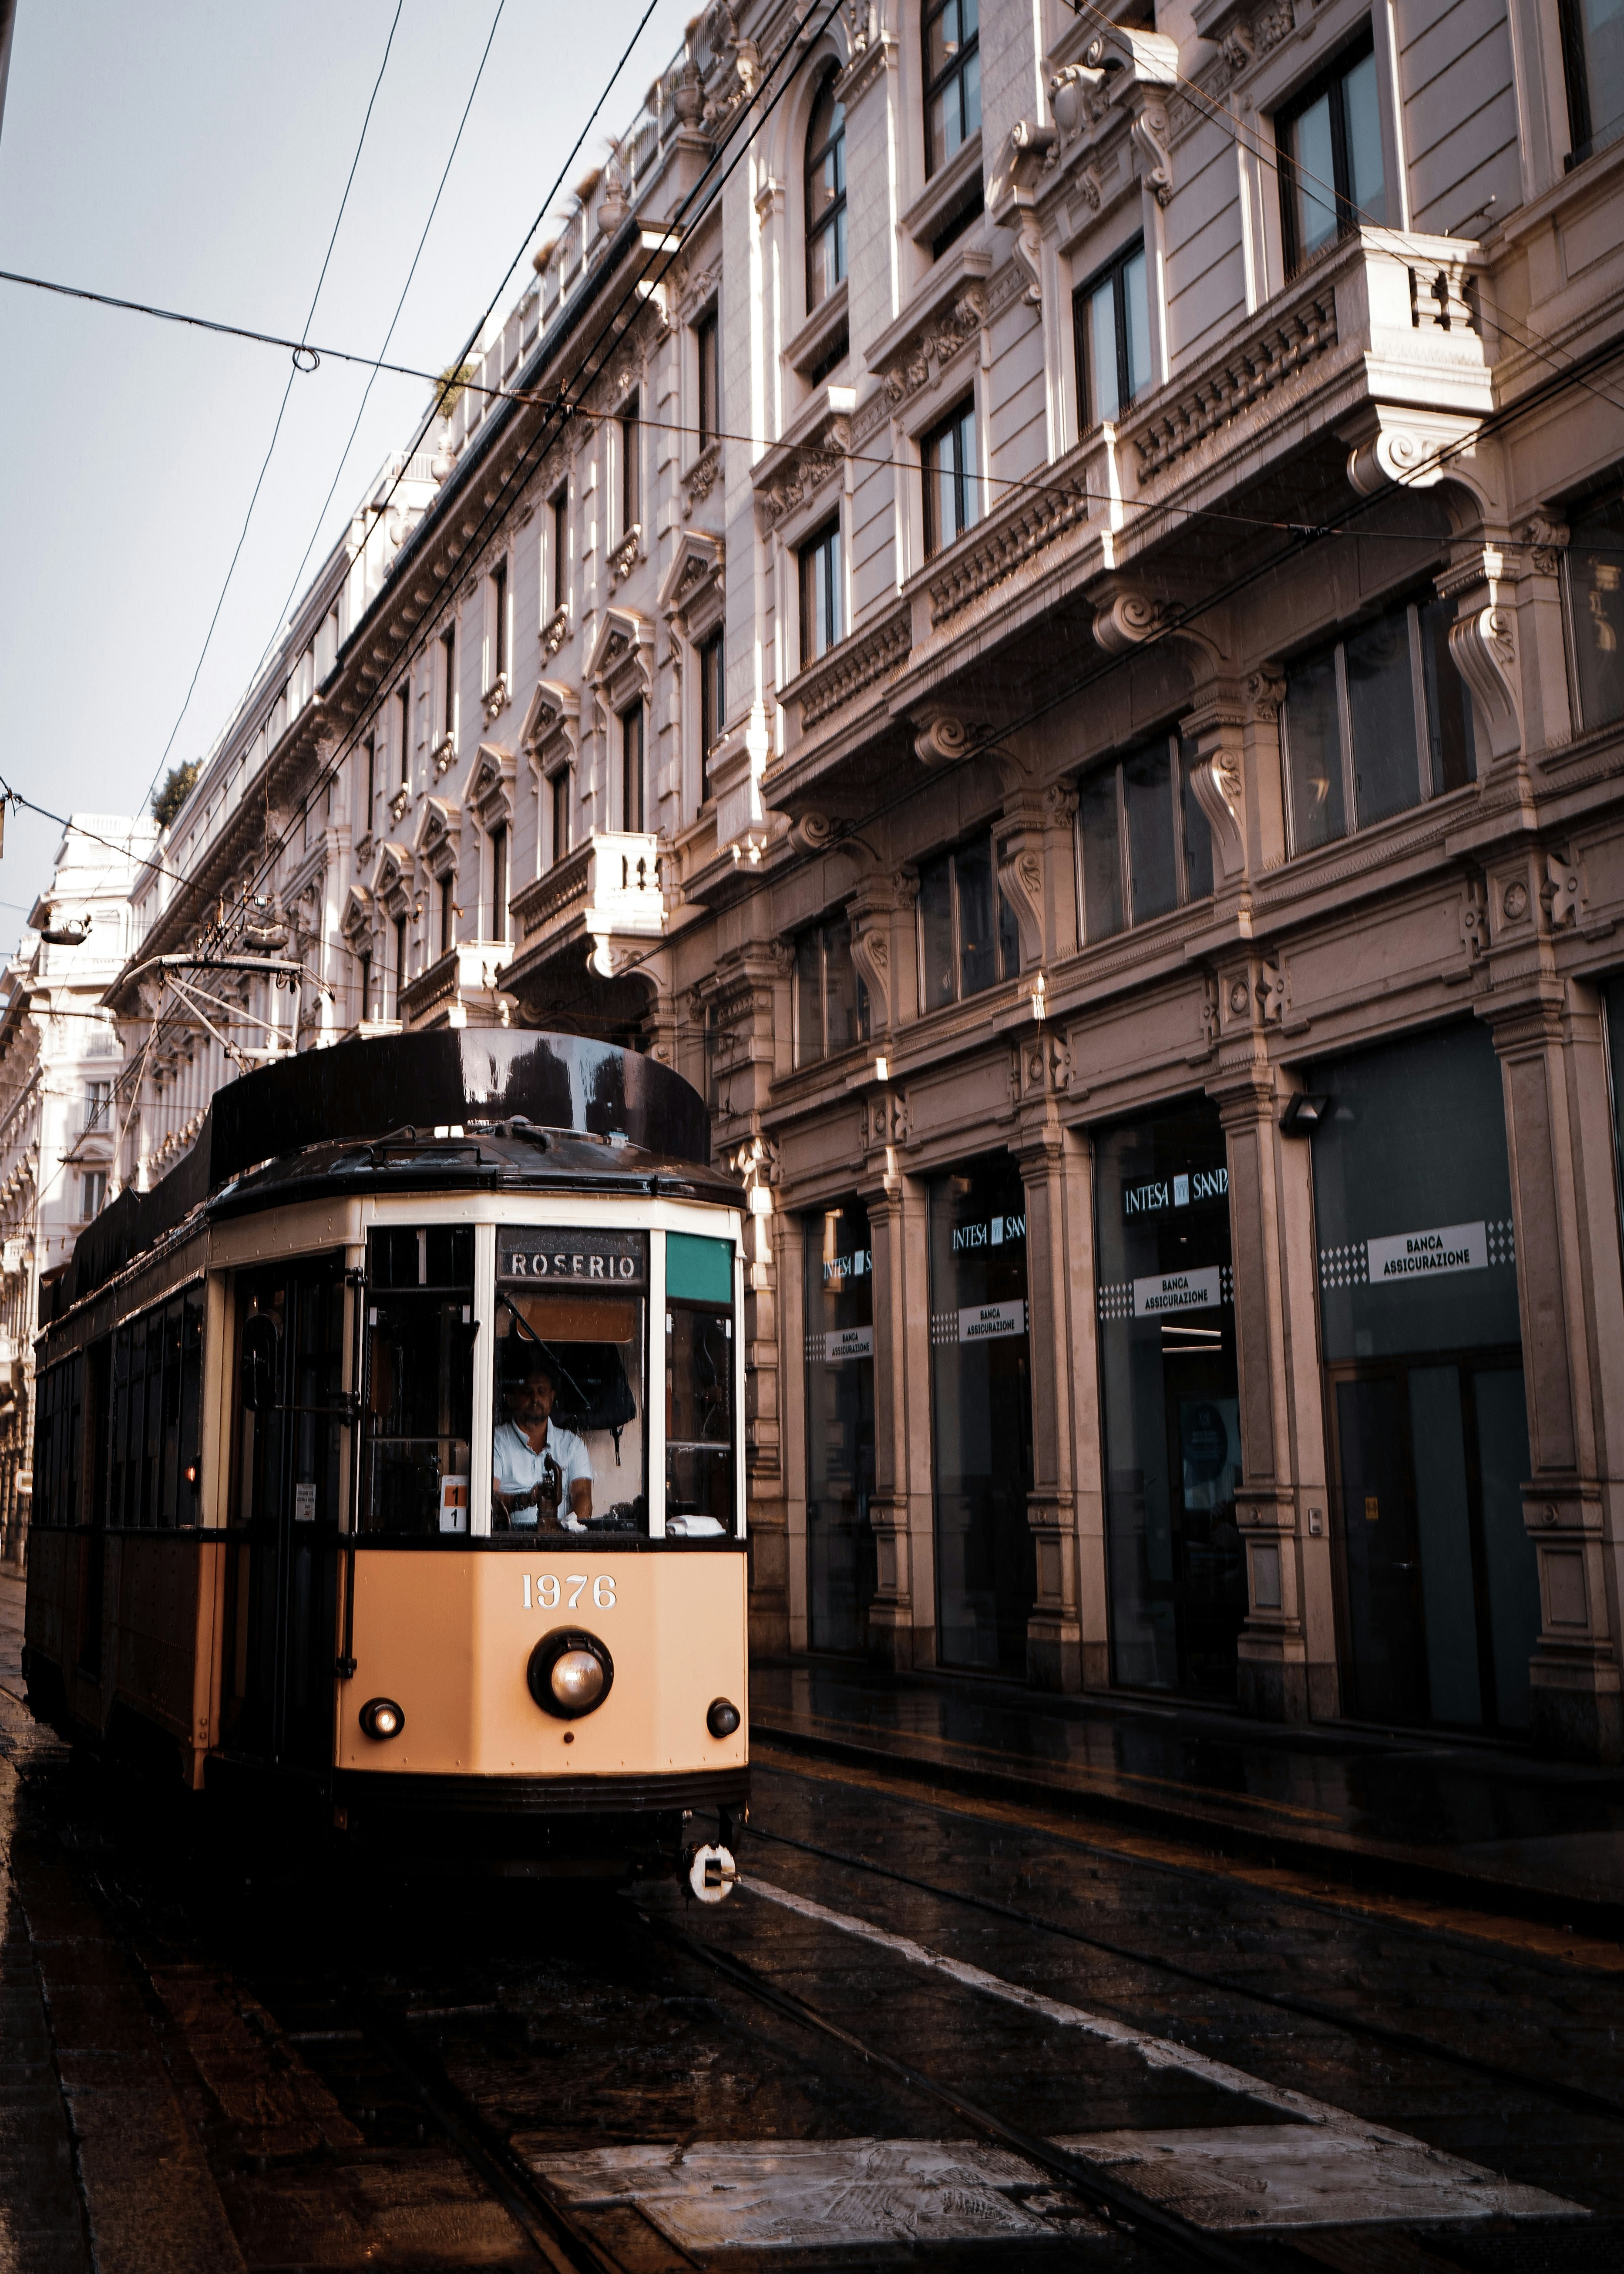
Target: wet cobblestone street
x,y
924,2027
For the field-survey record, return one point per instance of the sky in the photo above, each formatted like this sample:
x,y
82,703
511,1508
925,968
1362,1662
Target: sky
x,y
195,155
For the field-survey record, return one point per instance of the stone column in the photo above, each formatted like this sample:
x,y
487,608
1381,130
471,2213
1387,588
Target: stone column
x,y
1273,1649
901,1618
1054,1630
1564,1210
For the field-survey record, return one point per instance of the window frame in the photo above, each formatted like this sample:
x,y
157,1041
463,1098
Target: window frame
x,y
557,810
929,11
831,218
447,663
966,477
708,376
1426,775
448,912
1577,514
633,770
711,655
863,1008
1576,85
1182,757
1328,79
949,854
559,504
828,538
403,703
1113,271
630,430
499,620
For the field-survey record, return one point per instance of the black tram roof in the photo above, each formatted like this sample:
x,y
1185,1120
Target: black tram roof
x,y
534,1112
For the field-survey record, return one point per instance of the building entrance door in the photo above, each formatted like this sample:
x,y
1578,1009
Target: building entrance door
x,y
284,1513
841,1561
980,1410
1439,1604
1442,1607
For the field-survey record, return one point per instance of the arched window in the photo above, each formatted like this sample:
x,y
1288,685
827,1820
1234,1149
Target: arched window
x,y
825,194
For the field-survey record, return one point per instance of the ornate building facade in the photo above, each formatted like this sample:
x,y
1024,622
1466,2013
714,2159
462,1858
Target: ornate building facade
x,y
1033,598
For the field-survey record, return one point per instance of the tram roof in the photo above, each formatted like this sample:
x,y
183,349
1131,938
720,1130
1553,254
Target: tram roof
x,y
533,1111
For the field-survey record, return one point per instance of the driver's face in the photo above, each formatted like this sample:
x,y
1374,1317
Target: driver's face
x,y
531,1400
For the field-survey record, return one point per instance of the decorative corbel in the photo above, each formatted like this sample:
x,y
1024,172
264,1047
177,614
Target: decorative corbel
x,y
1011,197
1483,647
1148,130
1217,779
940,736
1128,619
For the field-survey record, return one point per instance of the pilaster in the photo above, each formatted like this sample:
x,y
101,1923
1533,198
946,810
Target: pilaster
x,y
1054,1630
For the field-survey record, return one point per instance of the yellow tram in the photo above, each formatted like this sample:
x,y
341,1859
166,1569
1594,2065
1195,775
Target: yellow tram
x,y
353,1475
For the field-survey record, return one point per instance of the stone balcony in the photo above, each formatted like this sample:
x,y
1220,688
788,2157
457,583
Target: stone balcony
x,y
459,989
603,906
1367,365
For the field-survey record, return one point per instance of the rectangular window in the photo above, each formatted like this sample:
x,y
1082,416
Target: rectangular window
x,y
823,594
701,1484
98,1105
372,783
499,884
1144,844
448,913
498,621
559,790
1329,138
1375,724
952,77
631,768
569,1377
447,663
364,975
1595,580
953,477
92,1193
403,710
712,706
1593,62
400,962
631,472
560,549
1111,317
707,346
832,1003
153,1438
967,935
418,1388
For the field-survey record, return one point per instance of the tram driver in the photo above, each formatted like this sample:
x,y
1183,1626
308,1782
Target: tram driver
x,y
542,1472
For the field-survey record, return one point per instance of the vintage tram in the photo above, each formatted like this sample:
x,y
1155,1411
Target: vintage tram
x,y
355,1480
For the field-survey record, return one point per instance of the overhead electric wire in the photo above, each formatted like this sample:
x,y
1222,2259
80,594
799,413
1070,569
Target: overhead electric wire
x,y
282,410
544,441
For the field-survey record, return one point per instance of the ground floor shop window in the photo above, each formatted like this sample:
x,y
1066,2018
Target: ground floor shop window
x,y
1169,1404
981,1402
1425,1411
839,1361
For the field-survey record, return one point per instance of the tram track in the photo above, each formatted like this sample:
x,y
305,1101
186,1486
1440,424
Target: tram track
x,y
1576,2097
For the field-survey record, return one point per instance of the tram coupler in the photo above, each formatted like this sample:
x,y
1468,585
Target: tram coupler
x,y
710,1871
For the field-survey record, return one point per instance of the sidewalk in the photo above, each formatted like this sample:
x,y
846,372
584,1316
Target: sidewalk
x,y
1472,1822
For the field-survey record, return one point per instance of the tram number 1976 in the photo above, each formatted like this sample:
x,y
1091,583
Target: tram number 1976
x,y
551,1590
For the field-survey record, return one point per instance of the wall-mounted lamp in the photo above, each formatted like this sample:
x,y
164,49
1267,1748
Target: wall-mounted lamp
x,y
1305,1111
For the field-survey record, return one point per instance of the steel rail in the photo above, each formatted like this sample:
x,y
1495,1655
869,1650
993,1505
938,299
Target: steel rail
x,y
1411,2041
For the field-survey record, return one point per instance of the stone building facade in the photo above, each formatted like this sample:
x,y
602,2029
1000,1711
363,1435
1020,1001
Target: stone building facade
x,y
60,1059
1033,600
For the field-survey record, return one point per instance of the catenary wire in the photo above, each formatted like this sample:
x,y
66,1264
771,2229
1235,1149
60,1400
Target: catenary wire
x,y
282,410
538,448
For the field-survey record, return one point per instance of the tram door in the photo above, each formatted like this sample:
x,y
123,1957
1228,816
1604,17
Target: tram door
x,y
281,1580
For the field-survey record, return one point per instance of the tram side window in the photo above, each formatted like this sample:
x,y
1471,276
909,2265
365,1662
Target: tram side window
x,y
58,1431
570,1452
419,1377
700,1486
153,1437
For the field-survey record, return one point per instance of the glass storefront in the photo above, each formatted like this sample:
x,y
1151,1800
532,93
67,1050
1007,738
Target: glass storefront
x,y
1422,1345
840,1357
1169,1402
981,1406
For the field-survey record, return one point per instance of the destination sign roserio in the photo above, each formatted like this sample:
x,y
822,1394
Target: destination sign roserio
x,y
1419,1255
571,1256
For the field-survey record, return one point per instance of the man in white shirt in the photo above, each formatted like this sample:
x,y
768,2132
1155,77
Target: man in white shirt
x,y
540,1470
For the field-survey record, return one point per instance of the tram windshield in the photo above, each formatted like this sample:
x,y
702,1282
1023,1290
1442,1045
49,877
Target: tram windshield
x,y
569,1450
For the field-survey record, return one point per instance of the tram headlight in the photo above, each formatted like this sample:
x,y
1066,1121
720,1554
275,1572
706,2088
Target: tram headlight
x,y
721,1718
570,1673
381,1717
